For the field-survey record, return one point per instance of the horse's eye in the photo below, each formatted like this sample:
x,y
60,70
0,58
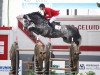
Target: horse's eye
x,y
26,21
40,52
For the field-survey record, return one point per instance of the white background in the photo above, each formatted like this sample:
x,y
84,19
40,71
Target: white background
x,y
15,8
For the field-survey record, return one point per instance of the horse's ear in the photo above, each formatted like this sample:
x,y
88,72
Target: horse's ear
x,y
25,17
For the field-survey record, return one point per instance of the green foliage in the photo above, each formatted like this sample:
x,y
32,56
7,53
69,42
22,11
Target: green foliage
x,y
98,5
81,74
30,72
91,73
53,73
87,73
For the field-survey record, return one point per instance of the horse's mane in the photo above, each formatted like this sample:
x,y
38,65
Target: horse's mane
x,y
38,13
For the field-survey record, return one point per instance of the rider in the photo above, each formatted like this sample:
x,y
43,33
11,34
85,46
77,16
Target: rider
x,y
49,14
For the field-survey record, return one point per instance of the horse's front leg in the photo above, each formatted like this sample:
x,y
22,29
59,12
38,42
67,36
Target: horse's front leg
x,y
77,49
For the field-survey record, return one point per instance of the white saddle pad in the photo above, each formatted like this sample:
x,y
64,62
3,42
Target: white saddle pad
x,y
57,27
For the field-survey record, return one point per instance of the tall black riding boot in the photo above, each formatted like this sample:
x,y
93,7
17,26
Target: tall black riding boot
x,y
52,26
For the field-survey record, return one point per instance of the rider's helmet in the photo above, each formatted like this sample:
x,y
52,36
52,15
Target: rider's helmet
x,y
41,6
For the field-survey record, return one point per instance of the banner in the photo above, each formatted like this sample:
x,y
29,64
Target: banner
x,y
84,67
5,67
89,66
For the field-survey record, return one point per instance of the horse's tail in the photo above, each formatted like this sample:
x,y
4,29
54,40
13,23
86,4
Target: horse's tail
x,y
77,37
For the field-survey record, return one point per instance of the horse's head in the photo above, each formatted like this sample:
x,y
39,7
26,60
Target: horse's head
x,y
27,22
32,19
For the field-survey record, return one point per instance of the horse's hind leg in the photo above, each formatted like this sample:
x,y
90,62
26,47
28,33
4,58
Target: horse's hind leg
x,y
65,39
77,46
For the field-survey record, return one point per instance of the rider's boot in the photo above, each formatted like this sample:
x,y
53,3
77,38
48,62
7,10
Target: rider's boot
x,y
52,26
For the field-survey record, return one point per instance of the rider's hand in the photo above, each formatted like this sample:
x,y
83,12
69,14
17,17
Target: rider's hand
x,y
48,19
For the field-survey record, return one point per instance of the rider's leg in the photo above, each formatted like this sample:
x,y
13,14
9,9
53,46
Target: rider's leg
x,y
51,25
51,20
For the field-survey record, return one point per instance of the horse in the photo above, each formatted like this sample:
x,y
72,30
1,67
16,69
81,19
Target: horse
x,y
37,23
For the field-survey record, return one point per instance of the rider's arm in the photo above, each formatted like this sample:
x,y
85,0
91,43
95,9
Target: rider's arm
x,y
48,13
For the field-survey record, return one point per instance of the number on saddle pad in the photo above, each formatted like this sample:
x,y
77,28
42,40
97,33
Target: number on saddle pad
x,y
57,27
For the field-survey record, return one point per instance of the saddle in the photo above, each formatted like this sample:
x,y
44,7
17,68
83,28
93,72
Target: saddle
x,y
54,25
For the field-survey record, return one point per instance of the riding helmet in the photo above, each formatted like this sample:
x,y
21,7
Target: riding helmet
x,y
42,5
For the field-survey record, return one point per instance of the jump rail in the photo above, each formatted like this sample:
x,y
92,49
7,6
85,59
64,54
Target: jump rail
x,y
25,49
60,50
67,69
59,59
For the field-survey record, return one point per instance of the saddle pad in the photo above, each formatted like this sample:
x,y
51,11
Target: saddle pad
x,y
57,27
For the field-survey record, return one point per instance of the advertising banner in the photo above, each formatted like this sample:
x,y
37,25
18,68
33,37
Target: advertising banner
x,y
5,67
86,66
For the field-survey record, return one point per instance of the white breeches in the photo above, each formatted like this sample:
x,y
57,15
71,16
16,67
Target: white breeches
x,y
53,19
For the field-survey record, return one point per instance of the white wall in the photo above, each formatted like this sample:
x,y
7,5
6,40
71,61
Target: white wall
x,y
94,11
5,13
23,41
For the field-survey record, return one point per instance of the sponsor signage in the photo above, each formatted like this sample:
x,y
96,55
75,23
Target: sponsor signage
x,y
5,67
86,66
